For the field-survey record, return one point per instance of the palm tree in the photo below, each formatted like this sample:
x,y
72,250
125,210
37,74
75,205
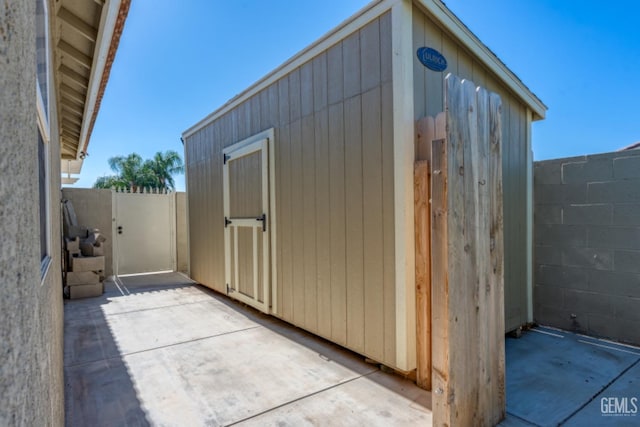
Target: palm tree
x,y
132,172
164,166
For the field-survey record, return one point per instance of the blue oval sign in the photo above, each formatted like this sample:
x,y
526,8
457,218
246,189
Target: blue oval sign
x,y
432,59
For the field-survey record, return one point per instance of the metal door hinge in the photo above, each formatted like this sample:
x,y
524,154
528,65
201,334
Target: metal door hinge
x,y
230,289
263,218
227,221
225,158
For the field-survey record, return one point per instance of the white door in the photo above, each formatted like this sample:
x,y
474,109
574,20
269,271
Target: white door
x,y
246,234
144,233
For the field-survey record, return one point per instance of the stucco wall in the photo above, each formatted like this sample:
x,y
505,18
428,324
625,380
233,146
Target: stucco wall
x,y
31,375
587,244
93,208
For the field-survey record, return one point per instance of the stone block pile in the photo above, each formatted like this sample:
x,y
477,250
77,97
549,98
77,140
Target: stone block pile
x,y
84,257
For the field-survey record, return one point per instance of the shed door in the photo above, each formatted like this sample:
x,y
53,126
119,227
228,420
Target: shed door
x,y
246,234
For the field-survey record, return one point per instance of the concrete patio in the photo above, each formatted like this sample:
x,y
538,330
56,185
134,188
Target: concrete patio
x,y
161,350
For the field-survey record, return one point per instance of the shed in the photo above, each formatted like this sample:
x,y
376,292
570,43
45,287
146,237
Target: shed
x,y
300,189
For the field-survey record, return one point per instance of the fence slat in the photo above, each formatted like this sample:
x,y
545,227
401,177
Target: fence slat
x,y
467,277
423,273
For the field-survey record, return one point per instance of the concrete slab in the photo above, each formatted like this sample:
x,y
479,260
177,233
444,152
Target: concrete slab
x,y
179,354
376,399
552,375
617,405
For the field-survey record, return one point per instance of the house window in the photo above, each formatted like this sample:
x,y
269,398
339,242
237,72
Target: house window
x,y
42,64
42,120
42,188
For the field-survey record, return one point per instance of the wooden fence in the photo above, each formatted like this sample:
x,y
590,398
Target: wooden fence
x,y
459,276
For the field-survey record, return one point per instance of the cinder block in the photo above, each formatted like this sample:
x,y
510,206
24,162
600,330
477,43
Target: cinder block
x,y
626,214
549,255
547,172
598,259
612,327
626,167
614,191
86,291
600,214
628,261
559,318
550,296
626,308
82,278
589,171
581,302
613,237
87,264
72,244
547,214
615,283
561,276
605,325
560,194
89,250
560,235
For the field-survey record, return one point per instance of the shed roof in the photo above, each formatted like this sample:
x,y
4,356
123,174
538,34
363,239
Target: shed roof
x,y
436,9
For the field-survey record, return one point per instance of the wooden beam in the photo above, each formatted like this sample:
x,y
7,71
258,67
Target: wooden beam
x,y
67,124
67,134
78,24
423,273
71,118
425,134
68,147
72,104
467,267
72,93
74,75
75,54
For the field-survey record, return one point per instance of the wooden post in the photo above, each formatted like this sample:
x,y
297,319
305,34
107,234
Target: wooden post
x,y
423,273
467,261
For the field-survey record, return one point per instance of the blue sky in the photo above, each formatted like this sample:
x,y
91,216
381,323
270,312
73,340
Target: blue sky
x,y
179,61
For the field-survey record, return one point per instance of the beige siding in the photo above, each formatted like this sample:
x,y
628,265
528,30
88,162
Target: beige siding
x,y
334,187
428,100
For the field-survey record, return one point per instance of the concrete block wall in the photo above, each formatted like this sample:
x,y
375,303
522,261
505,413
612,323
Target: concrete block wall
x,y
587,244
93,208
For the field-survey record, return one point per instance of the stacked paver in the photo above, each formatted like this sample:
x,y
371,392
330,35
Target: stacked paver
x,y
84,257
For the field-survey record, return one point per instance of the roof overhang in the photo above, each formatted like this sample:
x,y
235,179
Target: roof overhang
x,y
85,36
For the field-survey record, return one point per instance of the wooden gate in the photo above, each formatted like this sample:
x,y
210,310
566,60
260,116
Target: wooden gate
x,y
144,232
246,211
460,277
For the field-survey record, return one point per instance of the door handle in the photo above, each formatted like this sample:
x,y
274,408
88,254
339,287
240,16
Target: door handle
x,y
119,229
263,218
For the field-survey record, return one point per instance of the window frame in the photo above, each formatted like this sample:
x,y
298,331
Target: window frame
x,y
44,129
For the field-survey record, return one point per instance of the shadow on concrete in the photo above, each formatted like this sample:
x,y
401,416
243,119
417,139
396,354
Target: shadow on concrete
x,y
109,364
99,390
